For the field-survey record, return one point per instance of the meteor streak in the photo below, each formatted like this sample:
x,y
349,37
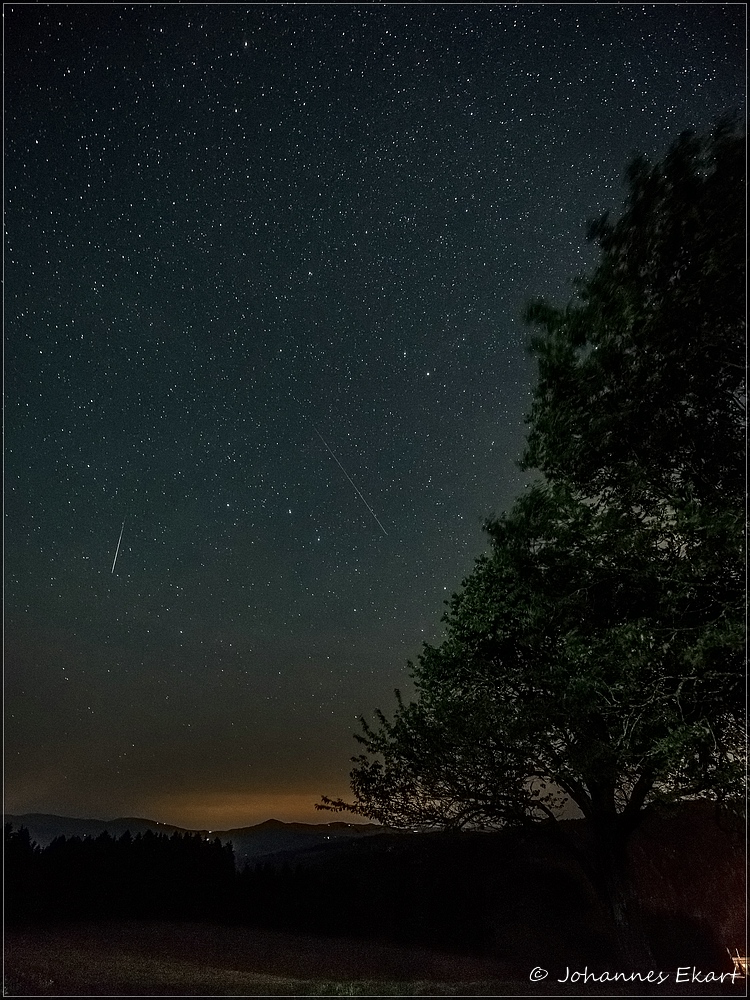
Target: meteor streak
x,y
358,492
118,546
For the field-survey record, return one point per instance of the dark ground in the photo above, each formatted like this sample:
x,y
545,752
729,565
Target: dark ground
x,y
141,959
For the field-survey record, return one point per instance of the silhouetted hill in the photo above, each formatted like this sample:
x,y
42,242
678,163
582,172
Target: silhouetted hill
x,y
262,842
522,896
44,827
250,843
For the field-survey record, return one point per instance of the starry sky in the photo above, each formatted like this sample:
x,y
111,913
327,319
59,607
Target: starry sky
x,y
265,266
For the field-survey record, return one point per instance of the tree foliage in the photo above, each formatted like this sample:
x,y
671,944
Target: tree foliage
x,y
642,376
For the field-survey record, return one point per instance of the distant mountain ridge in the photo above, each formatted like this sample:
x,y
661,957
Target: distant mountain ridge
x,y
251,843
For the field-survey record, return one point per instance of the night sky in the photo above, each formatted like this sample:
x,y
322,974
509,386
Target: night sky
x,y
264,270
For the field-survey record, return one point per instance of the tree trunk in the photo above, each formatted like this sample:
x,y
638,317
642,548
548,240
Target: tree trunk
x,y
618,892
603,857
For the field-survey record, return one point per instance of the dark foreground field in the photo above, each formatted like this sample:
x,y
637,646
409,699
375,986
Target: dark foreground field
x,y
393,915
170,959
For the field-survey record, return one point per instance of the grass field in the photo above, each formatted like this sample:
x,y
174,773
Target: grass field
x,y
142,959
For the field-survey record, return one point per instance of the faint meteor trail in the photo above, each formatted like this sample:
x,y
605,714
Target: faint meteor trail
x,y
358,492
118,546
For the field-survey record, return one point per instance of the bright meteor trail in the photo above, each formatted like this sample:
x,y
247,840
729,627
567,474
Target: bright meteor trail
x,y
359,494
118,546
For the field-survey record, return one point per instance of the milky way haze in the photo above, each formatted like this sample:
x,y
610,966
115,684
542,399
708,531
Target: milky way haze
x,y
264,274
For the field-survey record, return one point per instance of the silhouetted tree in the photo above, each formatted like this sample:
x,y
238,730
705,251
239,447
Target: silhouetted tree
x,y
151,875
22,884
595,655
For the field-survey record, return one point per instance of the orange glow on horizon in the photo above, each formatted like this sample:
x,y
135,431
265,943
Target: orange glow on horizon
x,y
230,810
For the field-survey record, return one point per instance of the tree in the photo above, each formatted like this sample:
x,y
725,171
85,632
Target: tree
x,y
595,655
640,406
